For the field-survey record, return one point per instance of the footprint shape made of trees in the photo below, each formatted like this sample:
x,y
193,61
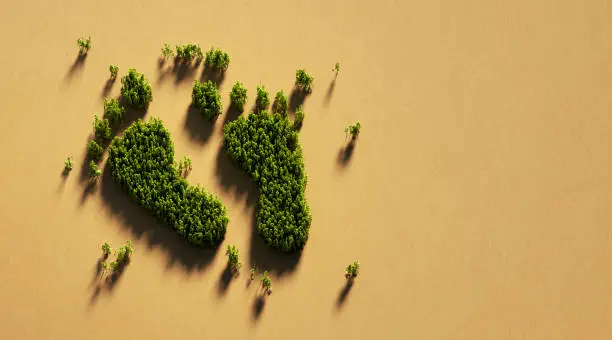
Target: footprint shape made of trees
x,y
267,148
142,163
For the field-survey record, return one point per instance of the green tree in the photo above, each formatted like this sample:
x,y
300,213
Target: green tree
x,y
114,69
102,129
303,80
253,270
299,118
94,151
94,171
84,45
136,90
352,270
167,52
113,111
68,165
280,105
353,130
263,100
266,282
106,249
217,59
233,258
238,96
337,68
205,98
188,52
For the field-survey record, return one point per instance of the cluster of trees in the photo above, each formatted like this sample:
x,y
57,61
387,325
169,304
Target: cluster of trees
x,y
122,254
188,52
136,90
142,163
263,99
238,96
84,45
267,148
114,70
113,111
303,80
280,105
217,59
205,98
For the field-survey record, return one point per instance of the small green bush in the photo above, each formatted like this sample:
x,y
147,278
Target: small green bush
x,y
217,59
167,52
352,270
68,165
303,80
233,261
263,100
184,167
267,148
280,105
299,118
113,111
84,45
266,282
353,130
136,90
142,163
188,52
238,96
205,98
94,150
94,171
253,270
102,130
106,248
337,68
114,69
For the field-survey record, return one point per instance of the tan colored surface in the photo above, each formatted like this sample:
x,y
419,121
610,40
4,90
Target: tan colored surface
x,y
478,199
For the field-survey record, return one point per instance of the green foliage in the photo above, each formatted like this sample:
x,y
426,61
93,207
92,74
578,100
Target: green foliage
x,y
353,130
188,52
352,270
142,163
68,165
84,45
106,248
303,80
205,97
299,118
263,100
267,148
253,270
337,68
136,90
184,166
114,69
113,111
217,59
232,257
280,105
94,151
94,171
167,52
238,96
102,129
266,282
104,266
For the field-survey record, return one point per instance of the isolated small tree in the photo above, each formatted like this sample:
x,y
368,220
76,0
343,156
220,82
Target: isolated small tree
x,y
299,118
106,249
94,171
303,80
123,255
238,96
352,270
353,130
205,97
263,100
337,68
84,45
94,150
136,90
114,69
266,282
280,105
253,271
113,111
233,260
68,165
102,129
167,52
217,59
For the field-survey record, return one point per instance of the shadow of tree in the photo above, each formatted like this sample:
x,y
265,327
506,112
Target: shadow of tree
x,y
216,76
76,67
181,71
258,306
296,99
199,128
232,113
344,292
224,280
109,282
108,85
345,153
329,93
